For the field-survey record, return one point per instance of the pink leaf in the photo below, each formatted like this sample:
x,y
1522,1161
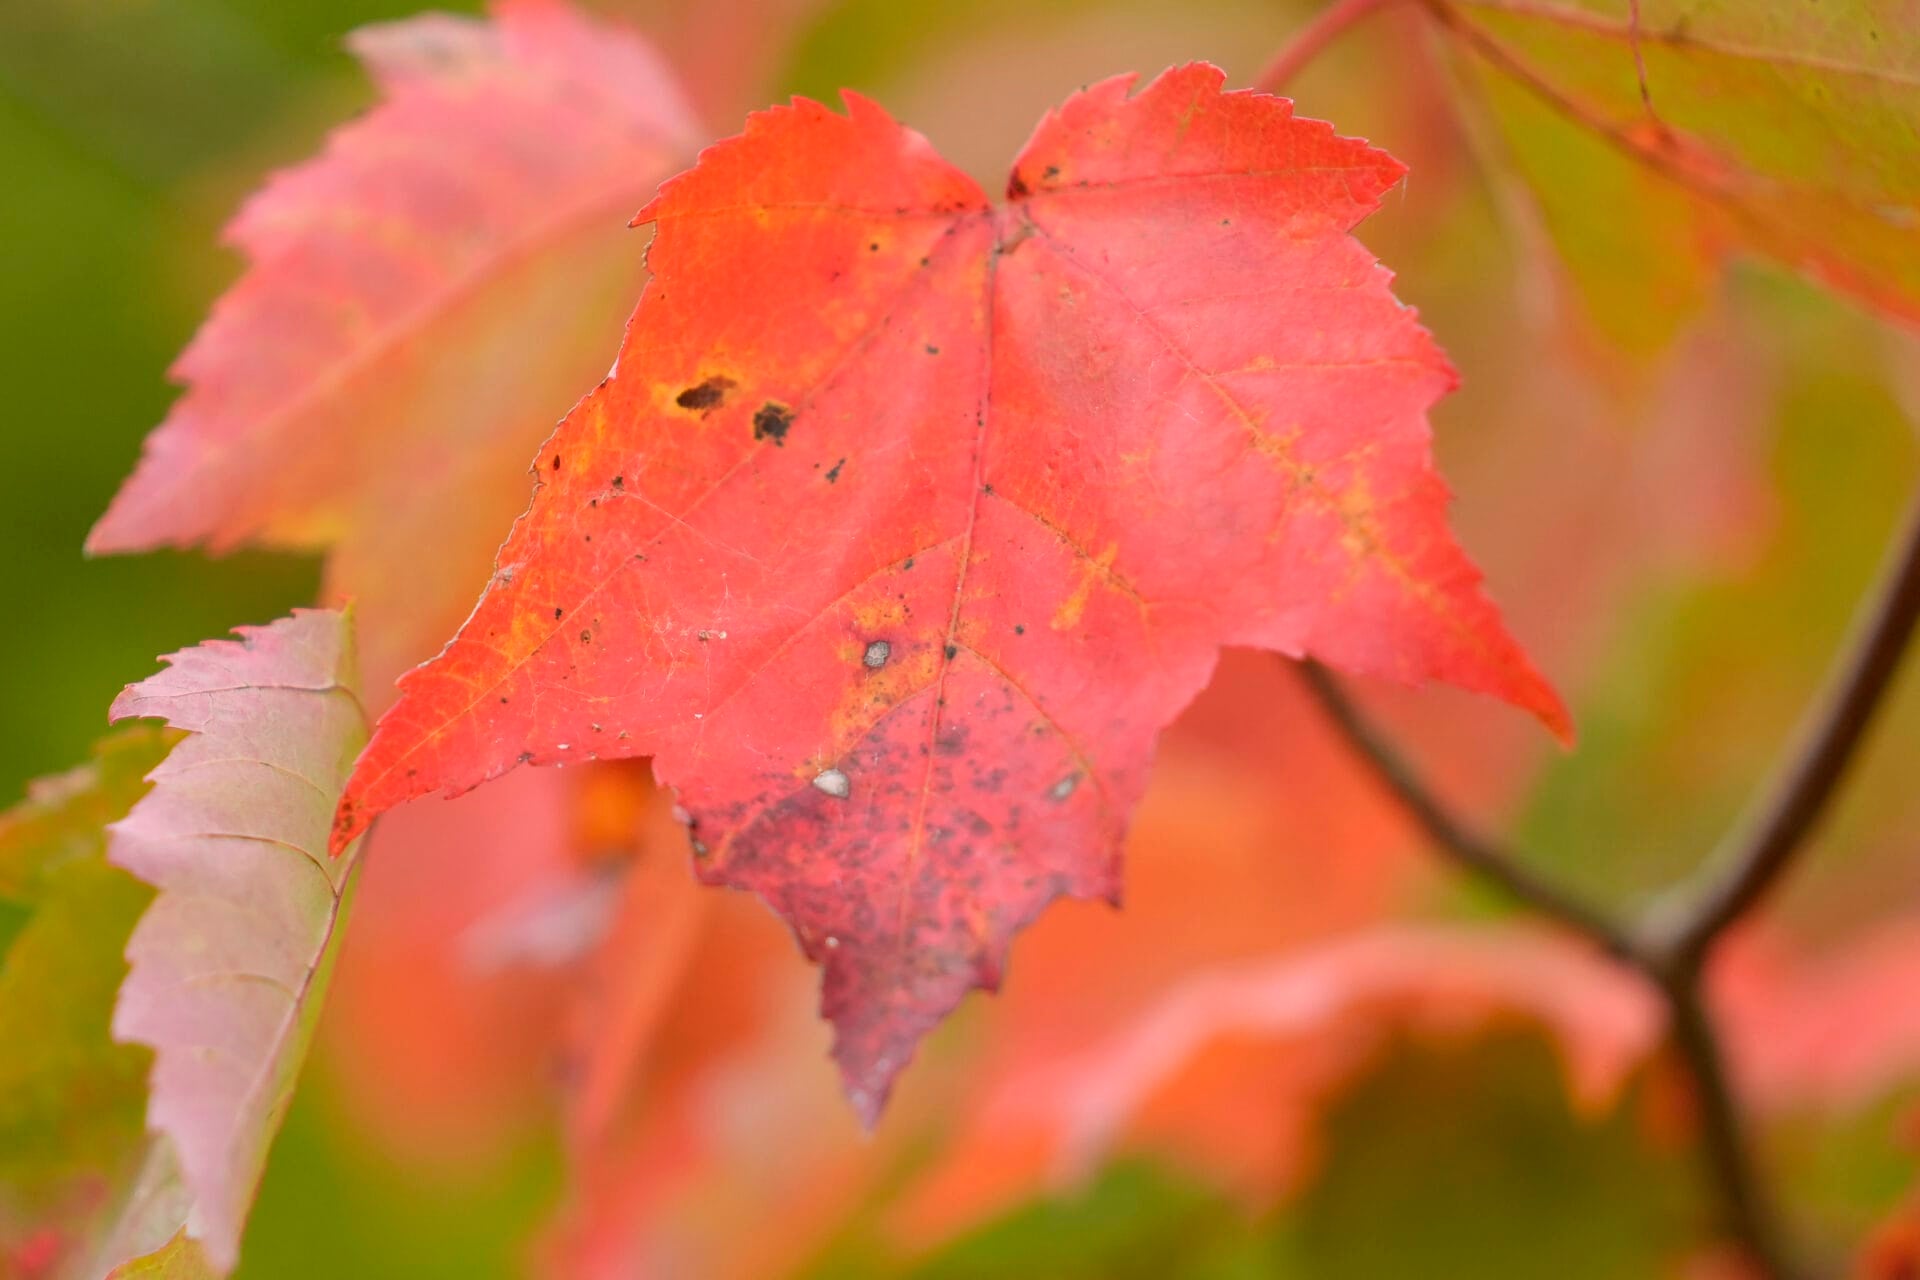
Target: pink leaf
x,y
229,963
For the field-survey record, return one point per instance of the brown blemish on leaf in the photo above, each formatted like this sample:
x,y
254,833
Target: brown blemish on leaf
x,y
703,398
771,421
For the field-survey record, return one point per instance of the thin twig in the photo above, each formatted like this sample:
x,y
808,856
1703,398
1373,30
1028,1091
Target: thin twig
x,y
1308,42
1761,846
1450,834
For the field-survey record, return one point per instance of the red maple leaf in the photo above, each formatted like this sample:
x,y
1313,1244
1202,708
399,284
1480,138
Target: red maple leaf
x,y
908,521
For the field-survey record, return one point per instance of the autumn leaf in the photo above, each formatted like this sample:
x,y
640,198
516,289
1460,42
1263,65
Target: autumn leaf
x,y
229,964
1829,1029
473,223
1232,1070
422,302
1657,136
70,1098
908,521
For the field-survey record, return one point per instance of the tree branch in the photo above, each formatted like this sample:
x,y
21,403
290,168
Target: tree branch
x,y
1745,1206
1450,834
1683,927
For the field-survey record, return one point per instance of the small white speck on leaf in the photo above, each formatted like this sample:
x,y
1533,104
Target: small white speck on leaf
x,y
834,783
1063,788
877,654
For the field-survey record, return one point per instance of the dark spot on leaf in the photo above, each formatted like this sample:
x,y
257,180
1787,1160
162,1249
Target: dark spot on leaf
x,y
707,396
834,474
772,420
953,651
586,637
556,613
1052,171
873,246
1016,186
908,564
619,482
556,462
1019,630
932,350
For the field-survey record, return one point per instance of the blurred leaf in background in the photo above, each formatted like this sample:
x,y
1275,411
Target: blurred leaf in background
x,y
71,1099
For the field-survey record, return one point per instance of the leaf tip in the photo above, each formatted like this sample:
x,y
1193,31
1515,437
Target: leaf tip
x,y
867,1092
1538,696
1559,722
347,825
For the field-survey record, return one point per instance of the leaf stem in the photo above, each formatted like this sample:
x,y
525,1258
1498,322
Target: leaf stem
x,y
1450,834
1308,42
